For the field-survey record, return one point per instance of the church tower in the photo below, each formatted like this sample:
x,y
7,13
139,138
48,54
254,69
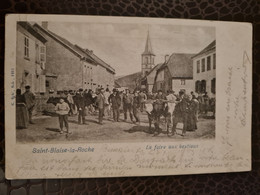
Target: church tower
x,y
147,57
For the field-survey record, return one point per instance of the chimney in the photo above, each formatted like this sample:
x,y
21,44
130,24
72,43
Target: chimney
x,y
167,58
45,25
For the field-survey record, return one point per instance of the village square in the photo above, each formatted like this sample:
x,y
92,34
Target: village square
x,y
69,93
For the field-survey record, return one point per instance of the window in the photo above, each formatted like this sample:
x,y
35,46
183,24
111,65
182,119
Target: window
x,y
37,57
182,82
198,87
213,86
47,84
214,61
203,65
198,66
208,63
203,86
146,61
26,47
43,54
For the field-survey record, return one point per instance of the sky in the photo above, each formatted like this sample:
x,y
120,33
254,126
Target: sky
x,y
121,44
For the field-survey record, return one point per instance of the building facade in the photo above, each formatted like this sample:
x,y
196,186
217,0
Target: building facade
x,y
204,74
71,67
175,74
30,58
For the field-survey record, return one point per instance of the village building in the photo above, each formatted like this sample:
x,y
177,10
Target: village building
x,y
30,58
144,79
71,67
147,82
148,67
175,74
204,70
147,57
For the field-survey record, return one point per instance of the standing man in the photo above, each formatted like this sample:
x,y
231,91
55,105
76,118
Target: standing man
x,y
171,103
143,98
183,112
107,105
115,101
136,107
194,109
80,103
62,109
29,101
101,105
159,107
127,104
206,102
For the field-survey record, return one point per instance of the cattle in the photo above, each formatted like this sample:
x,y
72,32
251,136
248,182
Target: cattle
x,y
156,111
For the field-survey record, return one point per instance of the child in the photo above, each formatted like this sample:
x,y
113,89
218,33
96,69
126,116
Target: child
x,y
62,109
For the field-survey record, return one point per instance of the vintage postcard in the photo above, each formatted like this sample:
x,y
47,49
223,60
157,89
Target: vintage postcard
x,y
92,96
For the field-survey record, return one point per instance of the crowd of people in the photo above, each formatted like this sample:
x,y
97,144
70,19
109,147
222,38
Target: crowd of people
x,y
111,104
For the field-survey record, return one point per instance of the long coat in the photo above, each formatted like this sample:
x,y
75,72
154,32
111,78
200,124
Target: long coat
x,y
115,100
79,101
29,99
101,101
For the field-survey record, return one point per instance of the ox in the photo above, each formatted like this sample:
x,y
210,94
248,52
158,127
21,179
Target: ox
x,y
156,111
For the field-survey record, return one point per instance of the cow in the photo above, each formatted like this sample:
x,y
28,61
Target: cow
x,y
156,111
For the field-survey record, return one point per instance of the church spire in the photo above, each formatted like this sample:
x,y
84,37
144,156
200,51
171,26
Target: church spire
x,y
148,46
147,57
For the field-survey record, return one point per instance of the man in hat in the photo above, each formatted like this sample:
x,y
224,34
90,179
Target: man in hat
x,y
171,103
143,98
30,101
128,104
136,106
182,111
115,101
80,103
159,106
101,105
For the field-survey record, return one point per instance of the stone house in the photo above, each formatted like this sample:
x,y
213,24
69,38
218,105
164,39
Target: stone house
x,y
30,58
175,74
204,66
71,67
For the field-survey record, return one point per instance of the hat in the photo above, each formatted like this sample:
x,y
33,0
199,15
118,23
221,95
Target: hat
x,y
27,87
114,90
80,89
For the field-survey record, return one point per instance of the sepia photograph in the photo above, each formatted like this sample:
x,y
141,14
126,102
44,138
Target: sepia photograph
x,y
95,82
89,96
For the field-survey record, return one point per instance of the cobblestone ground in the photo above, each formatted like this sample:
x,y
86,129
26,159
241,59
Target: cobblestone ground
x,y
46,130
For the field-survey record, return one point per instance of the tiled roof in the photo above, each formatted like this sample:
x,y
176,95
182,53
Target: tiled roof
x,y
209,47
180,65
151,75
27,26
96,58
86,54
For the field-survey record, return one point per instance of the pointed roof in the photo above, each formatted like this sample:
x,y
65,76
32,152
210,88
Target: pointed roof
x,y
209,47
179,65
148,46
27,26
83,53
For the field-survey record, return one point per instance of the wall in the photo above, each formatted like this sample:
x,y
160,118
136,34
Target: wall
x,y
36,81
208,75
66,65
189,85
